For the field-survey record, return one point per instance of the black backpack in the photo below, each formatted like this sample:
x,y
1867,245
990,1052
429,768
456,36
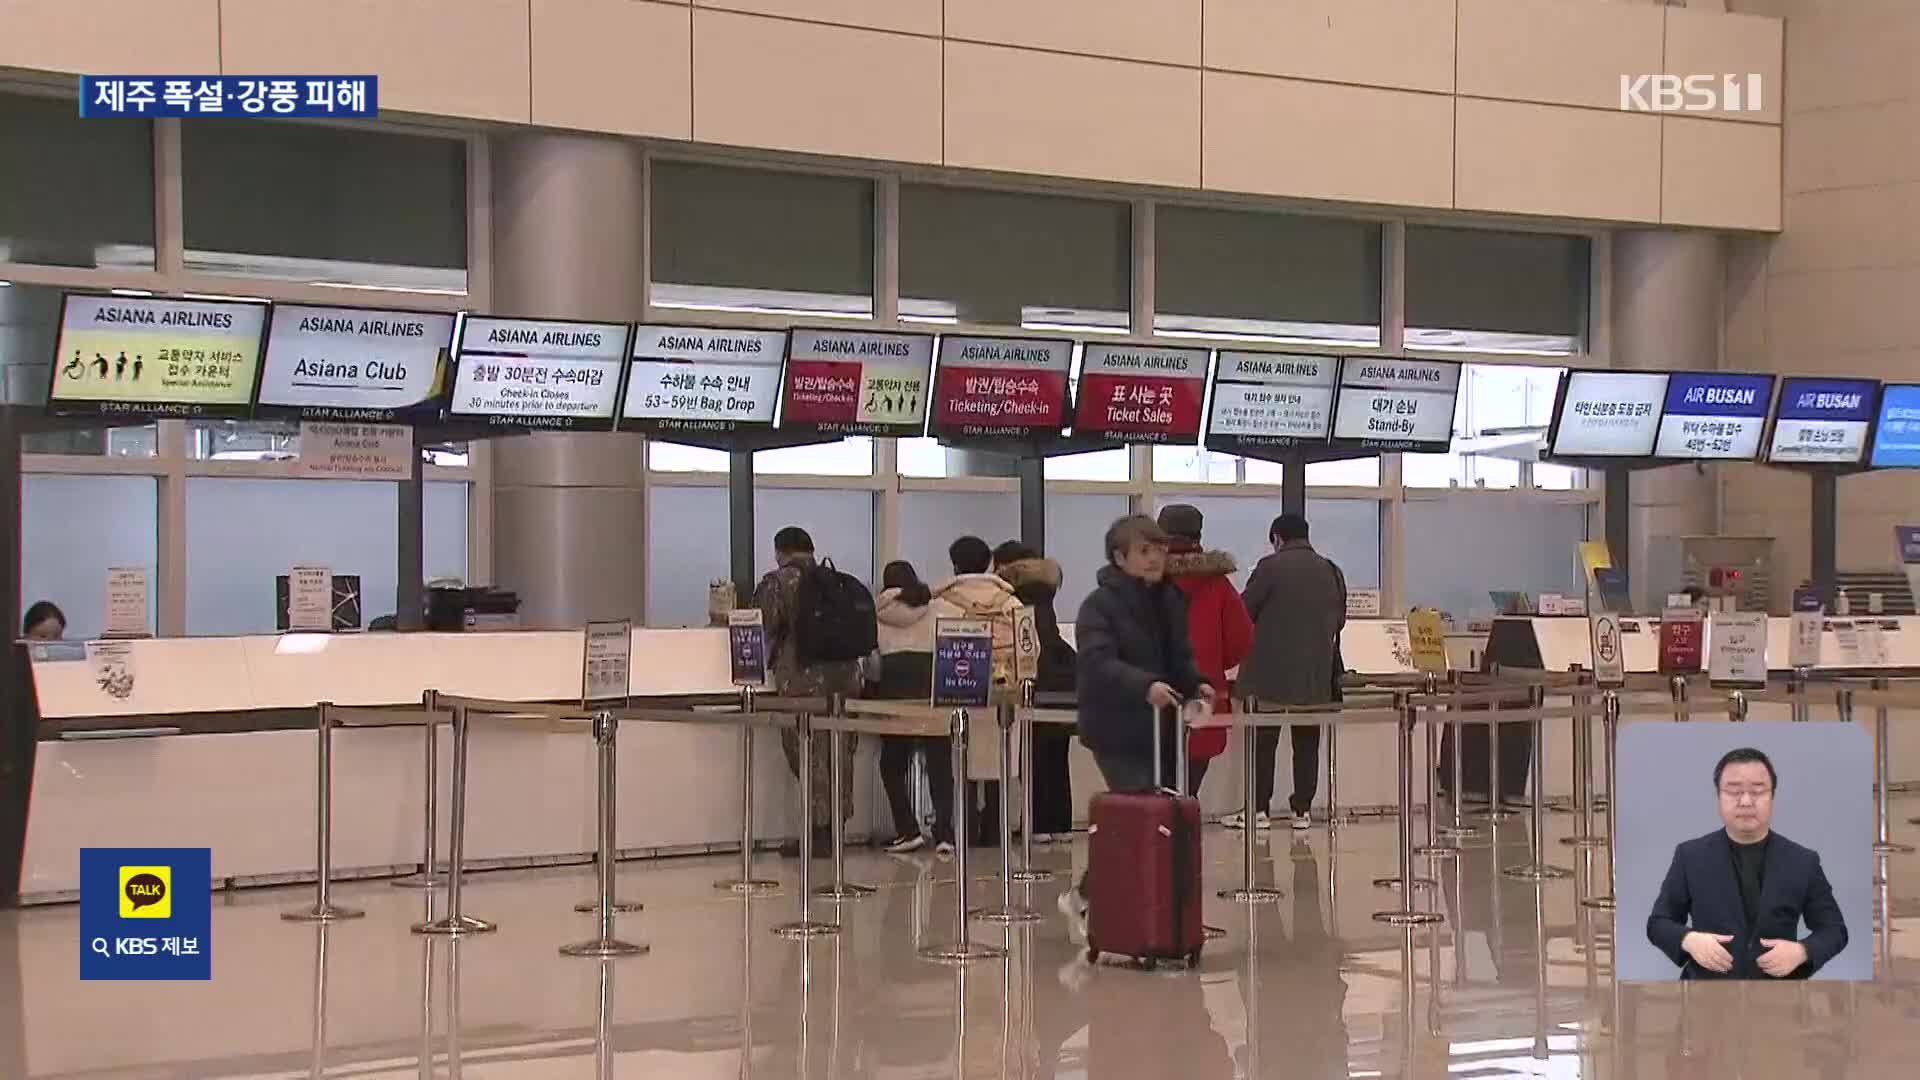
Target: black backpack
x,y
833,616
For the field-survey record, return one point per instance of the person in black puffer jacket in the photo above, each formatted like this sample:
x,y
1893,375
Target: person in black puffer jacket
x,y
1136,661
1036,581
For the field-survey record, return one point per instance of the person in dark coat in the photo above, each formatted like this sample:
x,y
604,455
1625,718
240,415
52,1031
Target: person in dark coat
x,y
1136,662
1036,582
1298,601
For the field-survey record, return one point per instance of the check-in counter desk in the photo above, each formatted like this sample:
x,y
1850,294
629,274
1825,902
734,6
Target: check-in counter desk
x,y
1561,644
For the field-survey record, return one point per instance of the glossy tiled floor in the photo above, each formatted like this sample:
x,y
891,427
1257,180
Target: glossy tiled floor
x,y
1515,983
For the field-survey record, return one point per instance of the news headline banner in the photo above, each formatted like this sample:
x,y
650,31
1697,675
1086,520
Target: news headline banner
x,y
183,96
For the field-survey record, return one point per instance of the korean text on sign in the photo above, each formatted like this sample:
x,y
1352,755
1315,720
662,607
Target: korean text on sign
x,y
182,96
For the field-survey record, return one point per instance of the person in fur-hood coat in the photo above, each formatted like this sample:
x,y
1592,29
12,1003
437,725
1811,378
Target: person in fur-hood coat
x,y
1217,621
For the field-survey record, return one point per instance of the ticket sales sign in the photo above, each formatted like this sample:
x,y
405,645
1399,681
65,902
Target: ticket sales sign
x,y
987,386
1714,416
844,382
1822,421
1270,400
529,373
355,364
143,356
1608,414
1140,393
692,378
1386,404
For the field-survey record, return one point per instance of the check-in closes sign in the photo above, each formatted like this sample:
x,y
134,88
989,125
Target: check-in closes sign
x,y
355,364
522,373
1001,386
1141,394
142,356
690,378
856,383
1271,400
1388,404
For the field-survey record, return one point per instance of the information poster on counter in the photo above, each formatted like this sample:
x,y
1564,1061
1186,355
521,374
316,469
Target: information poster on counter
x,y
1607,414
606,663
747,646
355,364
310,599
1822,421
962,662
1270,401
1427,640
527,373
1609,656
128,591
143,356
700,379
1713,416
1140,393
1896,431
1682,637
1363,603
852,382
356,451
987,386
1739,649
1387,404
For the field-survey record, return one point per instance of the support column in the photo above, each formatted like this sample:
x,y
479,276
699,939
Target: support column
x,y
1033,502
1667,293
569,510
1824,523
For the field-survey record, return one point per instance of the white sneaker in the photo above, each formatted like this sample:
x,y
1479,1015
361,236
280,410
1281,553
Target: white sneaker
x,y
943,848
909,842
1075,909
1235,820
1262,821
1302,822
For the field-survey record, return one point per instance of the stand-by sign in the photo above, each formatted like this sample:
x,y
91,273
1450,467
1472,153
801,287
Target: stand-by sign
x,y
1609,656
606,666
962,662
747,646
1739,649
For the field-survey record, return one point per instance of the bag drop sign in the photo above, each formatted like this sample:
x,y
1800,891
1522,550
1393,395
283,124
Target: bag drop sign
x,y
962,662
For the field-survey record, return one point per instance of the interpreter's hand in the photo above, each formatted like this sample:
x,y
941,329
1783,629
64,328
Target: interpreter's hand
x,y
1208,693
1709,951
1161,696
1782,958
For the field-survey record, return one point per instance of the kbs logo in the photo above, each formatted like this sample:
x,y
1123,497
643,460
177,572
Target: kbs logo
x,y
1691,93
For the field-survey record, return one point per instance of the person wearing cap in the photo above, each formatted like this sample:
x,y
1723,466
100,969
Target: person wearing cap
x,y
1298,601
1217,622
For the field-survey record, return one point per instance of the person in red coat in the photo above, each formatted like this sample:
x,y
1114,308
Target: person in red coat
x,y
1217,619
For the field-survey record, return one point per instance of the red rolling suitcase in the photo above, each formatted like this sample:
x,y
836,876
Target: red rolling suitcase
x,y
1143,876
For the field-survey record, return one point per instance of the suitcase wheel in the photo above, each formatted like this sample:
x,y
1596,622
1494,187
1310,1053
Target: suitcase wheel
x,y
1093,954
1149,963
1193,958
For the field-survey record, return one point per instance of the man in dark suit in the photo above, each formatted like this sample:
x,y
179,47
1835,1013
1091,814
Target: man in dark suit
x,y
1733,900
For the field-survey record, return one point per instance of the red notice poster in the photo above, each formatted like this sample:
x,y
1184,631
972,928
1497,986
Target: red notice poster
x,y
989,386
856,382
1681,642
1140,393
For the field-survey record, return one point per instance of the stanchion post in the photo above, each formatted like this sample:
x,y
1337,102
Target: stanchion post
x,y
746,884
841,888
1537,868
606,759
1027,872
324,909
1181,774
1677,687
1737,706
1582,729
1335,817
1458,829
1406,914
1434,848
963,948
1797,685
1884,844
1496,811
1007,912
1248,892
457,922
428,877
805,926
1610,735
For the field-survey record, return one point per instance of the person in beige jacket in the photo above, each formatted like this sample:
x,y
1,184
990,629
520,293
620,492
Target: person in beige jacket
x,y
975,592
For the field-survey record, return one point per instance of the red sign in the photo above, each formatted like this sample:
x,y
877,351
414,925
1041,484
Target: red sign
x,y
856,382
1001,386
1140,393
1681,644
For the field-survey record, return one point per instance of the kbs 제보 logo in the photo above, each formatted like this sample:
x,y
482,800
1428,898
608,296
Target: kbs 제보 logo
x,y
146,892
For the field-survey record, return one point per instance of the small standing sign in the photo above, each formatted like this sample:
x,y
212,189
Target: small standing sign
x,y
1739,649
1609,657
1026,644
1363,603
128,588
606,663
310,599
747,646
1803,649
962,662
1680,641
1427,639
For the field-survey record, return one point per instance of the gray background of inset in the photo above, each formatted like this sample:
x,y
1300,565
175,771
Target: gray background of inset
x,y
1824,801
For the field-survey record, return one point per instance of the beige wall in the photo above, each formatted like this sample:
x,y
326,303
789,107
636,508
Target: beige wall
x,y
1833,293
1507,106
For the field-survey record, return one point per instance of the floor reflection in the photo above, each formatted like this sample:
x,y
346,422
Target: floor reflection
x,y
1515,982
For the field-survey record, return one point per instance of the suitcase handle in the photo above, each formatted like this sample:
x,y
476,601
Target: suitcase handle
x,y
1177,713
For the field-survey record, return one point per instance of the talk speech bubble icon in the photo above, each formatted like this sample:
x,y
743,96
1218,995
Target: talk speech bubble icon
x,y
144,890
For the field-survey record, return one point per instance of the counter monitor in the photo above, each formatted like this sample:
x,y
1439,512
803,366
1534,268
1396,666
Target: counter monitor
x,y
1383,403
142,356
1607,414
1270,401
1140,393
361,365
1896,431
538,373
1713,416
994,386
856,382
1822,421
700,379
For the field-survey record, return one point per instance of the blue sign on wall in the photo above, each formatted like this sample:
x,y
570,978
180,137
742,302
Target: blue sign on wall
x,y
146,913
1896,439
1714,415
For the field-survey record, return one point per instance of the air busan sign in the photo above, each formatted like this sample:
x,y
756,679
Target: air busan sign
x,y
1691,93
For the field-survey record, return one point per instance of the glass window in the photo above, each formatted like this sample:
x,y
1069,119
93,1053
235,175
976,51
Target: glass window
x,y
302,202
244,533
1005,259
1492,544
1506,292
1266,277
930,520
74,192
243,440
1559,477
444,530
1344,530
1500,420
851,456
1114,464
1347,472
687,545
1077,540
72,529
1194,465
727,239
